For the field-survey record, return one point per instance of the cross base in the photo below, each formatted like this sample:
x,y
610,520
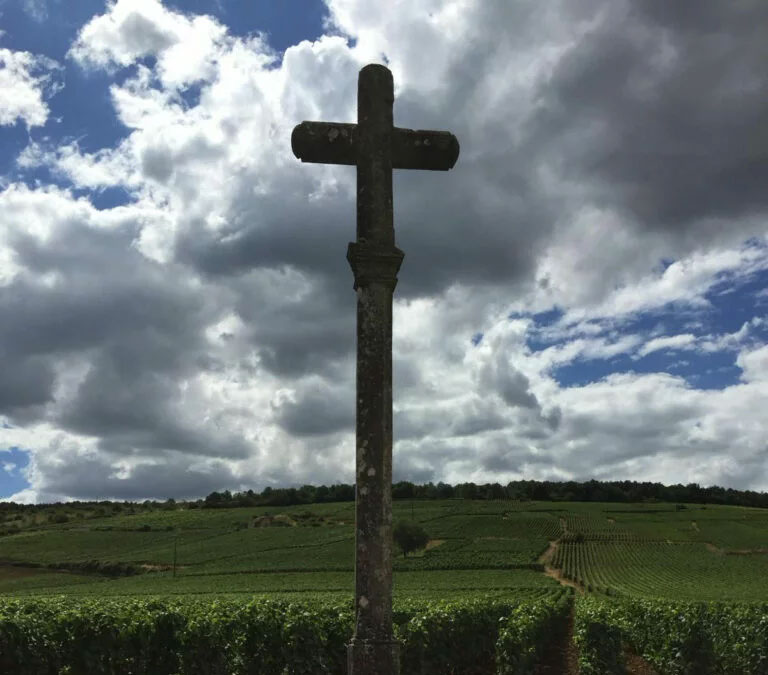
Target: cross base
x,y
373,657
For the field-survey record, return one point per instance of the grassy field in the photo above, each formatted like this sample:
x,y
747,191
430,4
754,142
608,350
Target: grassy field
x,y
639,550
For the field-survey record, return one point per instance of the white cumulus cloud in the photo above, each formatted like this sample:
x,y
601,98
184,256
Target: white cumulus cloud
x,y
26,81
185,47
202,335
675,342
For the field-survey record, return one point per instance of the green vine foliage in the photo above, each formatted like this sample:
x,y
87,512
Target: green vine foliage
x,y
676,638
527,632
598,637
230,636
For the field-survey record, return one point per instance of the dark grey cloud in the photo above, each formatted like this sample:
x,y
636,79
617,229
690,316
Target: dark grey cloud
x,y
642,111
476,417
94,477
406,375
410,424
138,411
407,467
24,383
318,410
506,456
301,314
295,336
138,327
499,376
278,225
661,110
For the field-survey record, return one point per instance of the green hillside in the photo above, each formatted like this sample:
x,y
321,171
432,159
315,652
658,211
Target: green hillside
x,y
502,586
670,551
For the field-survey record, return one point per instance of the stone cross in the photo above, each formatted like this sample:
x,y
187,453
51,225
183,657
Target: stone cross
x,y
375,147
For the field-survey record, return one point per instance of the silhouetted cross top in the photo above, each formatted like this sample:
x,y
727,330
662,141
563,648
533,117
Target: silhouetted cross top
x,y
376,147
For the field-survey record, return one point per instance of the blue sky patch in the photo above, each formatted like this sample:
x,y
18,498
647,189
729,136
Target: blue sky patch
x,y
708,362
82,110
735,302
701,371
12,464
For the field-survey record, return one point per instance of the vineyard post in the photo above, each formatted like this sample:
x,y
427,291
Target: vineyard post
x,y
375,147
175,541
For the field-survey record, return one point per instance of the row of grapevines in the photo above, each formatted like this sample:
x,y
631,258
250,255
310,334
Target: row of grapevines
x,y
659,569
527,632
266,636
470,560
675,637
598,637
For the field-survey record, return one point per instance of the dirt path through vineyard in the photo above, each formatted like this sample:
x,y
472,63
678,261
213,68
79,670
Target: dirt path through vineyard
x,y
546,557
563,658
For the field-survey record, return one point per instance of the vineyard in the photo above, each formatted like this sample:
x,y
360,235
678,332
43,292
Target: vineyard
x,y
658,569
676,638
269,635
665,581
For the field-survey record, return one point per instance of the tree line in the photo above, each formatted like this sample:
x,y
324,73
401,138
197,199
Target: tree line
x,y
523,490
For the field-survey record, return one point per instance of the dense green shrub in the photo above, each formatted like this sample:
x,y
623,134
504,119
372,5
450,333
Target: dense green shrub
x,y
409,536
526,633
598,637
228,636
677,638
449,637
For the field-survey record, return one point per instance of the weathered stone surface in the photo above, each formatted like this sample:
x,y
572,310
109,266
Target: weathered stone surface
x,y
375,147
325,142
373,658
336,143
419,149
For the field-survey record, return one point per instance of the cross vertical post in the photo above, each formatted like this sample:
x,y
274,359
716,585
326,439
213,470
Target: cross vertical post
x,y
375,262
375,147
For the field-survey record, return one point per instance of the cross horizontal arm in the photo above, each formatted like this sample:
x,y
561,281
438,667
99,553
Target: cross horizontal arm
x,y
418,149
335,143
324,142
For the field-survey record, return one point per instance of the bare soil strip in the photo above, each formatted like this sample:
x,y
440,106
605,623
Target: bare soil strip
x,y
553,572
562,657
558,575
637,665
434,543
545,557
735,551
17,572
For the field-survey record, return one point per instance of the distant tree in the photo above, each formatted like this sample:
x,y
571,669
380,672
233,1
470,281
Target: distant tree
x,y
403,490
467,491
409,537
218,499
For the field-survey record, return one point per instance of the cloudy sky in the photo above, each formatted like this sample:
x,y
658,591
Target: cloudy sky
x,y
583,296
